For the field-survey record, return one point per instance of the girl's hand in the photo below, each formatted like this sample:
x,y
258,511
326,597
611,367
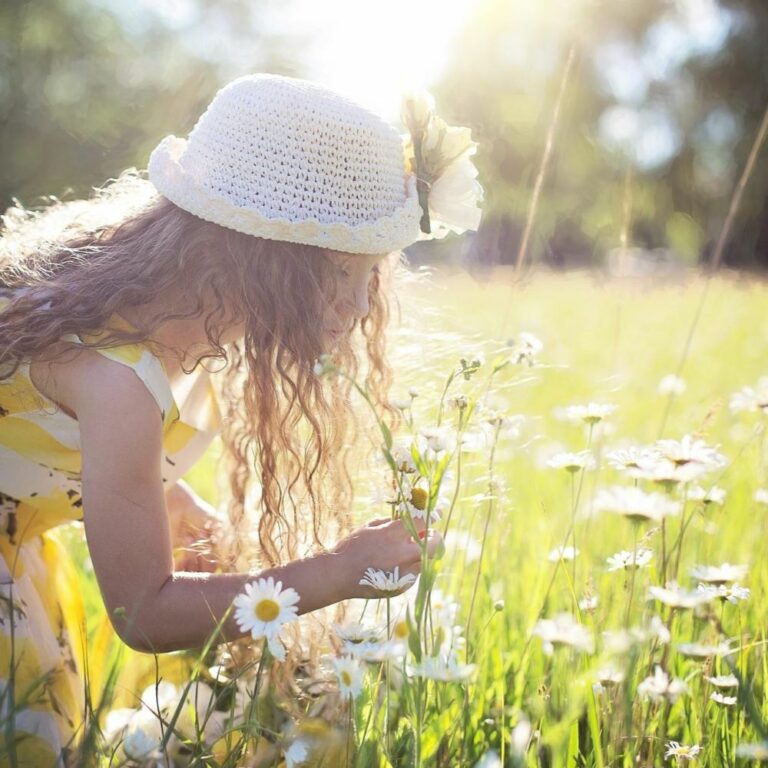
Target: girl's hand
x,y
382,544
194,528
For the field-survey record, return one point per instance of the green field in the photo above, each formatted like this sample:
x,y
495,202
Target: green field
x,y
609,342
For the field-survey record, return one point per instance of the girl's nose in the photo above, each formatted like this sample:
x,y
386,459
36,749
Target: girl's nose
x,y
357,301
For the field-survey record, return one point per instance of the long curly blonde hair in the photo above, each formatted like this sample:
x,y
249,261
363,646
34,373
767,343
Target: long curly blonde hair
x,y
287,433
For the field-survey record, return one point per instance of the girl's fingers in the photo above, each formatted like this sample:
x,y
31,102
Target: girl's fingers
x,y
434,540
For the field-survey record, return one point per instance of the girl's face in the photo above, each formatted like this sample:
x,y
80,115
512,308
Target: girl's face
x,y
351,302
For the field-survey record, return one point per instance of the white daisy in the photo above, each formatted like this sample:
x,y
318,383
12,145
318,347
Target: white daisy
x,y
562,553
592,413
387,650
724,681
756,751
383,581
659,686
677,597
669,474
726,701
143,735
714,495
443,668
702,651
572,462
296,754
682,752
719,574
609,676
761,496
625,560
730,592
355,633
632,458
671,385
751,398
564,630
588,604
349,674
263,609
525,349
635,504
402,453
691,451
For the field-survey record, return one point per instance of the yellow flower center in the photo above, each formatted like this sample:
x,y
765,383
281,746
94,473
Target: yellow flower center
x,y
267,610
346,678
419,498
400,630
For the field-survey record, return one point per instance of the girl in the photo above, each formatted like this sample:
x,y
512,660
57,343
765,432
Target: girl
x,y
264,240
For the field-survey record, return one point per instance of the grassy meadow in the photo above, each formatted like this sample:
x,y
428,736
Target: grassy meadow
x,y
546,659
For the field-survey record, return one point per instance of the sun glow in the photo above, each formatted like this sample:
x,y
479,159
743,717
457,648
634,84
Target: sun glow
x,y
374,52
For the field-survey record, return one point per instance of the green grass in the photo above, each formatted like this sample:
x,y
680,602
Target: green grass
x,y
610,342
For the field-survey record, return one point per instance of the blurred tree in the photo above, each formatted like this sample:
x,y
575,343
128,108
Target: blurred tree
x,y
657,122
89,88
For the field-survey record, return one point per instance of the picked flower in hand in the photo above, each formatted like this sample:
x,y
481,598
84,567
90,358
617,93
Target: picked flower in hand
x,y
440,156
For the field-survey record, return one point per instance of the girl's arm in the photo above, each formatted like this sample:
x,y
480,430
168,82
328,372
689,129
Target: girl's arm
x,y
128,533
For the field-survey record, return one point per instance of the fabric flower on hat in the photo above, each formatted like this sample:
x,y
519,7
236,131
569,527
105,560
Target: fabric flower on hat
x,y
440,156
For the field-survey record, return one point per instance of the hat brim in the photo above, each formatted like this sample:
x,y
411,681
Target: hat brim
x,y
389,233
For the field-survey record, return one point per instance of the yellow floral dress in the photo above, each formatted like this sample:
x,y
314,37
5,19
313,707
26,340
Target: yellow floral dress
x,y
45,664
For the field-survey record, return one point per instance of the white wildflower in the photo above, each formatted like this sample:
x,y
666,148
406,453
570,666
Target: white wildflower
x,y
724,681
491,759
713,495
296,754
668,474
442,668
433,441
691,451
263,609
632,459
609,676
383,581
588,604
592,413
726,701
730,592
525,349
702,651
520,738
751,398
677,597
625,559
756,751
682,752
402,453
356,633
719,574
671,385
659,686
564,630
349,674
372,652
562,553
572,462
635,504
761,496
143,735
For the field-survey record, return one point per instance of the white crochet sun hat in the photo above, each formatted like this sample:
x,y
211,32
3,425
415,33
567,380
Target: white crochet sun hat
x,y
289,159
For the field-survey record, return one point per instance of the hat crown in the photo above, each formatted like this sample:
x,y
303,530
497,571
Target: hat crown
x,y
271,148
